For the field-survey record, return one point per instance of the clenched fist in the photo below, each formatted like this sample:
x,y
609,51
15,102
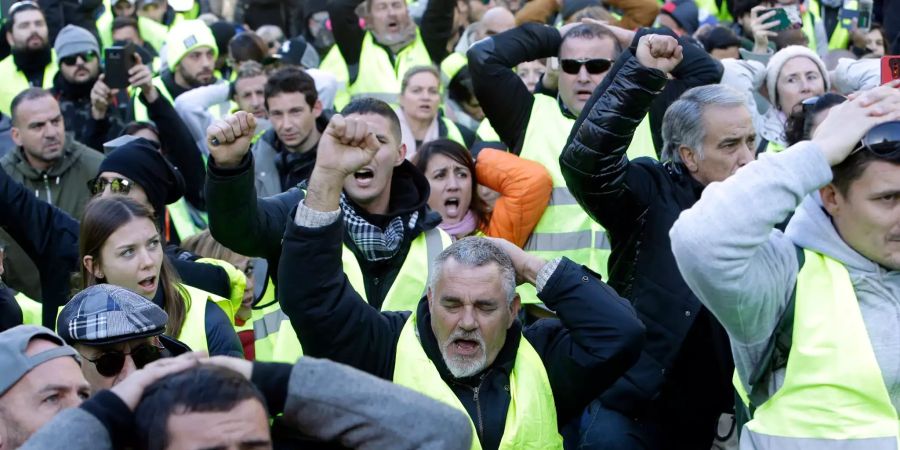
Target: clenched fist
x,y
229,139
660,52
348,144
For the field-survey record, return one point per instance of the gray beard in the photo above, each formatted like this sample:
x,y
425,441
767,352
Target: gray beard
x,y
464,367
396,41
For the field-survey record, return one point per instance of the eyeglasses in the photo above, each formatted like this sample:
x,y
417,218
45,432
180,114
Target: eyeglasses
x,y
882,140
116,185
110,363
594,66
73,59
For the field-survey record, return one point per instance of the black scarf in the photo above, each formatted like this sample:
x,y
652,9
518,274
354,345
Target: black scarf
x,y
32,63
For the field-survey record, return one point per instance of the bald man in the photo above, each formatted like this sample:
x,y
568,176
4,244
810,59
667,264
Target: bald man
x,y
39,377
495,21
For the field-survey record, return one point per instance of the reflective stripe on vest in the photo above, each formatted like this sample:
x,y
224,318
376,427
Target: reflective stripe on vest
x,y
531,417
833,396
32,311
377,76
411,282
193,331
564,229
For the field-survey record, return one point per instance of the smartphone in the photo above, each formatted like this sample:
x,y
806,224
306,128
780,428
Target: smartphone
x,y
864,20
890,69
119,60
787,18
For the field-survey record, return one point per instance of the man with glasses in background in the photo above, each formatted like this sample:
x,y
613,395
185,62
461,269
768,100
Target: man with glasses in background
x,y
32,61
535,126
116,332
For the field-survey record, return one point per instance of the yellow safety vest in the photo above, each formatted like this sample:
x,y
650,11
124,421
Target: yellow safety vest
x,y
713,9
277,342
531,417
378,77
183,221
453,132
486,132
193,331
152,32
334,63
32,311
140,111
809,29
14,80
451,65
564,229
833,394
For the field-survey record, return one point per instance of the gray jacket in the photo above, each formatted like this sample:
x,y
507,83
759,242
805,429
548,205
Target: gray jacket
x,y
326,400
744,270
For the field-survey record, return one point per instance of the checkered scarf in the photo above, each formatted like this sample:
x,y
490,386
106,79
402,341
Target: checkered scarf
x,y
374,243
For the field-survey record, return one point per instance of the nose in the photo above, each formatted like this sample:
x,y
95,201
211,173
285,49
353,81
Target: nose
x,y
127,369
453,184
146,259
467,322
748,154
583,75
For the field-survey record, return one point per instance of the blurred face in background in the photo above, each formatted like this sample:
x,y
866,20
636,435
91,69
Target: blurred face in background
x,y
530,72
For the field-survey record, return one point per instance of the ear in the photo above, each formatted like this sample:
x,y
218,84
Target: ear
x,y
317,109
514,308
401,155
16,137
689,158
831,199
93,269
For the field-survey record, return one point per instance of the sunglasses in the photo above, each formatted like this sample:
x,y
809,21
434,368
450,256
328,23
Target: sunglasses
x,y
73,59
593,66
882,140
110,363
116,185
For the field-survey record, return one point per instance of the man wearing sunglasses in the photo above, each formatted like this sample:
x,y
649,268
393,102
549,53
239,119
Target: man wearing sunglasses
x,y
673,397
535,126
78,53
32,62
116,332
811,312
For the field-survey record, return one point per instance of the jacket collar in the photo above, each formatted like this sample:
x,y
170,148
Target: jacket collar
x,y
71,154
504,362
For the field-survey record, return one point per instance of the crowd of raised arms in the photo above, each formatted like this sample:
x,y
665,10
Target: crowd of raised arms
x,y
450,224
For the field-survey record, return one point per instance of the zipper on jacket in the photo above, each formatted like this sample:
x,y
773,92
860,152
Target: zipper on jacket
x,y
47,187
476,390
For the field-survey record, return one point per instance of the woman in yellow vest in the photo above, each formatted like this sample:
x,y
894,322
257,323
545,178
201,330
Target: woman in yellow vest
x,y
524,189
120,244
421,119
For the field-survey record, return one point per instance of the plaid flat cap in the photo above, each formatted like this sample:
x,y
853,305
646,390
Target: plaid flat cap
x,y
107,314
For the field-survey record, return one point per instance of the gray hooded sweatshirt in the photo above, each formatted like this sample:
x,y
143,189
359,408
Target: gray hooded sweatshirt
x,y
744,270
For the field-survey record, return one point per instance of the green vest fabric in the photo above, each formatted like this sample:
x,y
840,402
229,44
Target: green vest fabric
x,y
453,132
152,32
334,63
411,281
714,10
833,396
184,221
14,81
276,339
564,229
193,331
809,29
140,111
531,417
31,310
486,132
236,279
380,78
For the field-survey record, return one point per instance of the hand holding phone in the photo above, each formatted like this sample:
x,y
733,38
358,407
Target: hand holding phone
x,y
786,18
890,69
119,60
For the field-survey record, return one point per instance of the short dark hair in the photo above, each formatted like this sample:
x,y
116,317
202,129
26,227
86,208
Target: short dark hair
x,y
741,7
248,46
200,389
18,7
848,171
125,22
460,89
371,105
592,31
799,124
26,95
291,79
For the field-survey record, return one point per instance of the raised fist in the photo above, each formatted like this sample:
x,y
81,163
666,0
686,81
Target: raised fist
x,y
229,139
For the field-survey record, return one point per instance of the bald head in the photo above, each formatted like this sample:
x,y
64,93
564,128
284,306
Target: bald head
x,y
495,21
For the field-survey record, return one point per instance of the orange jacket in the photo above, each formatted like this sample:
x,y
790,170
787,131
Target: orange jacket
x,y
524,187
635,13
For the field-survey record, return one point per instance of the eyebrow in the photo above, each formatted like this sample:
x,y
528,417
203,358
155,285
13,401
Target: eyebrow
x,y
885,193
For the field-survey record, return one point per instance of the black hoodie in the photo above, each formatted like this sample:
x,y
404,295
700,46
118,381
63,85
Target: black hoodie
x,y
254,226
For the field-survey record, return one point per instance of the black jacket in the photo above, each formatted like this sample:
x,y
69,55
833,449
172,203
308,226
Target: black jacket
x,y
254,226
684,373
348,35
593,343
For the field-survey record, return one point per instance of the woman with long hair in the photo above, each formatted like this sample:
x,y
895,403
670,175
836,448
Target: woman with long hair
x,y
524,187
120,244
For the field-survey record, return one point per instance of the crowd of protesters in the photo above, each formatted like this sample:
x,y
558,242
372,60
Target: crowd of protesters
x,y
450,224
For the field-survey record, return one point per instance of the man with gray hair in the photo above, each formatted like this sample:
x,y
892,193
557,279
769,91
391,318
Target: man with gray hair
x,y
463,343
680,386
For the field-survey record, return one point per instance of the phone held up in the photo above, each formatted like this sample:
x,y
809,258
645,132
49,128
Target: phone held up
x,y
890,69
119,60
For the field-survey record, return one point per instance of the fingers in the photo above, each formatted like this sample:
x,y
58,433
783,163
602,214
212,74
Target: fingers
x,y
352,131
231,128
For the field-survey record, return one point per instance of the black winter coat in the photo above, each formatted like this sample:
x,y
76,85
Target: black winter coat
x,y
595,340
682,379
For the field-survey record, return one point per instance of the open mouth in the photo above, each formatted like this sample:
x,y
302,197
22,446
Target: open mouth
x,y
451,205
148,283
583,93
364,177
466,346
